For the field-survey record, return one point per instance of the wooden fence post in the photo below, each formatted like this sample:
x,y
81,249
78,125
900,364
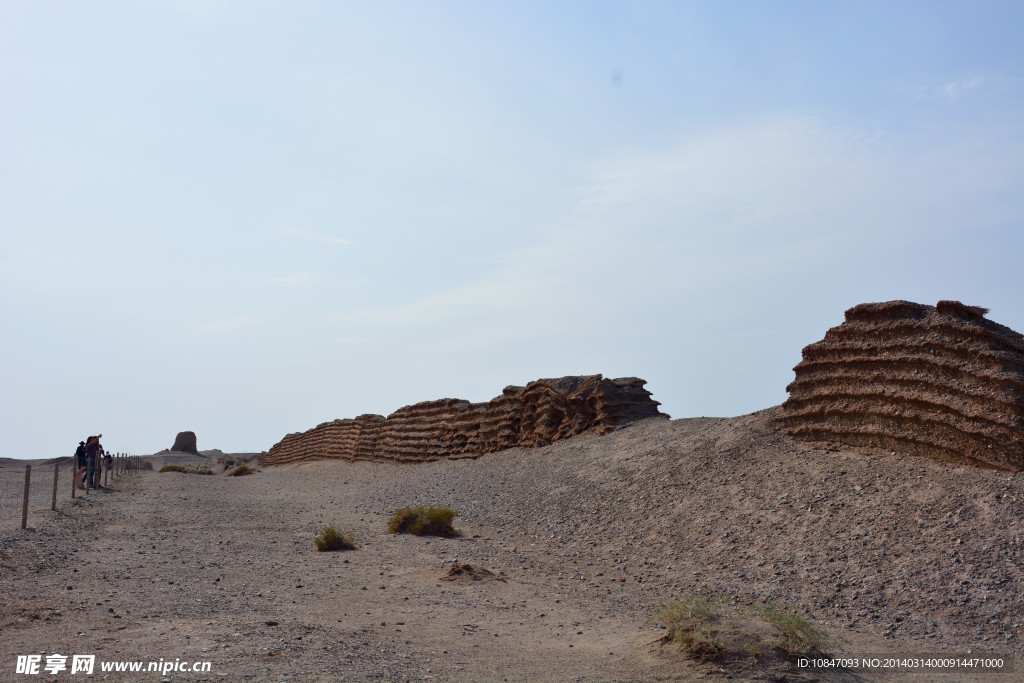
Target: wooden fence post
x,y
56,472
24,504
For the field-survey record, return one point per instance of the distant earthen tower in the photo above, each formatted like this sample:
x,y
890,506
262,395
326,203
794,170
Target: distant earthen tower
x,y
185,442
940,381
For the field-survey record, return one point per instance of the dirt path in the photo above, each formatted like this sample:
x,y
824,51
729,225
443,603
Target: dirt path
x,y
222,570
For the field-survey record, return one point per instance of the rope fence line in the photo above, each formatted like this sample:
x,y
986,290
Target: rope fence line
x,y
29,492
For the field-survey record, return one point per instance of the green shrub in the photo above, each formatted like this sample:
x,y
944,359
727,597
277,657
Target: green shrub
x,y
173,468
797,636
331,539
710,628
421,521
693,622
241,471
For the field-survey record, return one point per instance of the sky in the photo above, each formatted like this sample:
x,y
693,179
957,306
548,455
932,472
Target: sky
x,y
246,218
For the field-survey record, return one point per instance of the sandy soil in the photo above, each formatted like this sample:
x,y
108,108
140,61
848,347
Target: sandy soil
x,y
899,555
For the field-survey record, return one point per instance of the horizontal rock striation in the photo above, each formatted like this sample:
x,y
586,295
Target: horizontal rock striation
x,y
342,439
941,381
430,430
538,414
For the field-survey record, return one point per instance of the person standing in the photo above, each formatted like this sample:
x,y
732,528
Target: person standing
x,y
81,462
92,450
99,463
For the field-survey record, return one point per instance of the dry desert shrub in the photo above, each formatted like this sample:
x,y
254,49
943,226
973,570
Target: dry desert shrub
x,y
693,622
797,636
241,471
710,628
193,469
424,521
331,539
196,469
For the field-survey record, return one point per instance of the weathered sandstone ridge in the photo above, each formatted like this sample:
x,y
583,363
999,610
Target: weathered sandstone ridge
x,y
939,381
542,412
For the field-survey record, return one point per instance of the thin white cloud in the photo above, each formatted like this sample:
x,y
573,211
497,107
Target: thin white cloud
x,y
954,89
500,290
720,211
206,13
294,233
291,279
352,340
232,324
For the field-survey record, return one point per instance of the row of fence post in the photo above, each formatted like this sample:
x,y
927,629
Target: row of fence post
x,y
120,463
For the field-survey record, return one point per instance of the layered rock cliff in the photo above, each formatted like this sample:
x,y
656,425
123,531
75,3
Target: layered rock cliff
x,y
941,381
538,414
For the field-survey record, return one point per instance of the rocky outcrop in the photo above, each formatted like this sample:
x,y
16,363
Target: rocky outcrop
x,y
185,442
942,381
538,414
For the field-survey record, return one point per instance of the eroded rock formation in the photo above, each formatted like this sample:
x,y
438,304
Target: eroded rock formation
x,y
343,439
185,442
939,381
538,414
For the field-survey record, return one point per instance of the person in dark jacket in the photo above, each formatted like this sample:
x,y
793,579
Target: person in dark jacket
x,y
81,462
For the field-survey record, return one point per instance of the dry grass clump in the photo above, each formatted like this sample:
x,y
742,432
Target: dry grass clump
x,y
694,623
241,471
424,521
195,469
332,539
797,636
711,628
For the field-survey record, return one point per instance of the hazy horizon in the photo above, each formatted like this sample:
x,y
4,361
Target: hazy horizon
x,y
245,219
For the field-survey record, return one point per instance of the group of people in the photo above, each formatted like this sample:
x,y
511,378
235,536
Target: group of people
x,y
88,462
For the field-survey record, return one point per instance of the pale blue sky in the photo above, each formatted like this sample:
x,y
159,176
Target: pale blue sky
x,y
246,218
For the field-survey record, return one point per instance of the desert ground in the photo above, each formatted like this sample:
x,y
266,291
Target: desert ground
x,y
574,546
